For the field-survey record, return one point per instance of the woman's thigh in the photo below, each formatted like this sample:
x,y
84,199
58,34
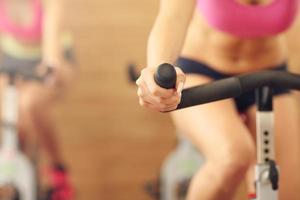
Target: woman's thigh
x,y
215,128
33,94
37,96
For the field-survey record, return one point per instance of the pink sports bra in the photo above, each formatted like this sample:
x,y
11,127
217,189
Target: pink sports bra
x,y
32,32
248,21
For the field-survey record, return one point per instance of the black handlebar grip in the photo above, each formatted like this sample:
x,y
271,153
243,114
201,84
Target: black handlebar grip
x,y
165,76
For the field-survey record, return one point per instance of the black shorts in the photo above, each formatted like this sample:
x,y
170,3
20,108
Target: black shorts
x,y
243,102
12,64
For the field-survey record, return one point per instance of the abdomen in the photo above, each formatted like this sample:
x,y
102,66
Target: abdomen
x,y
231,54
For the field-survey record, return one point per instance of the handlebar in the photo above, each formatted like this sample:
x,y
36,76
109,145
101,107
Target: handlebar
x,y
165,76
132,73
229,87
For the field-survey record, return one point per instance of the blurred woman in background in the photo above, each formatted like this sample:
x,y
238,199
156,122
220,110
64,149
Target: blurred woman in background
x,y
217,39
33,38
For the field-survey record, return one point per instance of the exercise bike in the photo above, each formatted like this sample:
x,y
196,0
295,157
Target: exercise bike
x,y
266,170
18,172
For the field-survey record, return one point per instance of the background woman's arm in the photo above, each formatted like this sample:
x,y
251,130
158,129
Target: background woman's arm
x,y
52,31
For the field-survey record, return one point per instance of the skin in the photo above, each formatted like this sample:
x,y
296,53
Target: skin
x,y
37,100
217,129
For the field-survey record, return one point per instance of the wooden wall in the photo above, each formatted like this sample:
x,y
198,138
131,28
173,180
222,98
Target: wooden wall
x,y
112,145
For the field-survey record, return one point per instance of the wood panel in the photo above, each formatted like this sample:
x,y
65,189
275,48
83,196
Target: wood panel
x,y
112,145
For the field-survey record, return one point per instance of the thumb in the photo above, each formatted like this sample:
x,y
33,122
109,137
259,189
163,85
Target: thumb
x,y
180,80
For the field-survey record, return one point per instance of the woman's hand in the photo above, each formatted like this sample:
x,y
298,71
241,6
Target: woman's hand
x,y
156,98
56,76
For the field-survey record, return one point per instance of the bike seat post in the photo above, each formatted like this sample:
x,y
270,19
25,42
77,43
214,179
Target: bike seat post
x,y
266,174
10,114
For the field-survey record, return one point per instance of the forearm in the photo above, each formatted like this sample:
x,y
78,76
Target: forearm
x,y
52,28
164,44
168,34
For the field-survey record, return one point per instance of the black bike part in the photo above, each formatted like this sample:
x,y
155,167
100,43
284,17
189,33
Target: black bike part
x,y
274,79
273,175
132,73
235,86
152,188
165,76
218,90
17,195
264,99
182,188
25,75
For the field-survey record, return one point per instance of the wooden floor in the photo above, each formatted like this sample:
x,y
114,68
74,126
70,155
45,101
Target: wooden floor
x,y
112,145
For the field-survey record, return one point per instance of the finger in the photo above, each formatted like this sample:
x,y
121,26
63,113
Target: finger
x,y
168,108
148,105
174,100
144,93
159,104
145,97
161,108
154,89
138,81
180,80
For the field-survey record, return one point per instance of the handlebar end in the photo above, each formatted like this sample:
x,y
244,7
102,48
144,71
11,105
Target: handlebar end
x,y
165,76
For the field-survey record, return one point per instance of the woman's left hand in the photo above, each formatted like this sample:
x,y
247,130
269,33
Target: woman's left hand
x,y
56,76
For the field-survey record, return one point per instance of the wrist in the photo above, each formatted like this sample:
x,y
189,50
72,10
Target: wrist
x,y
51,62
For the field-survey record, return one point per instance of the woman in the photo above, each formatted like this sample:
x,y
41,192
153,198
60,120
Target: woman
x,y
33,39
211,40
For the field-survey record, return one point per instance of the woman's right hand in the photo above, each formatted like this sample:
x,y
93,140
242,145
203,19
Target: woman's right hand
x,y
156,98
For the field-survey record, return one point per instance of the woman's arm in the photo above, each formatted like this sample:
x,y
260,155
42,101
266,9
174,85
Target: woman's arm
x,y
52,30
164,45
169,31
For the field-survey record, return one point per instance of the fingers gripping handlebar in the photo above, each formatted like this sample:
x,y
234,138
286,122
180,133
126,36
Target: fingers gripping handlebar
x,y
225,88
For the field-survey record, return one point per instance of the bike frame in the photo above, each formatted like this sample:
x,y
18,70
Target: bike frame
x,y
16,169
266,170
266,173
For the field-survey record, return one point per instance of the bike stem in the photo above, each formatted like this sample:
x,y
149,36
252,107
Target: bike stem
x,y
266,170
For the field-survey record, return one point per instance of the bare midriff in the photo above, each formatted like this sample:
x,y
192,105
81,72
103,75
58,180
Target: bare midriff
x,y
229,54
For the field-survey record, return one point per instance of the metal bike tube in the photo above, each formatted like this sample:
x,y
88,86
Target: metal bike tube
x,y
22,173
10,117
265,184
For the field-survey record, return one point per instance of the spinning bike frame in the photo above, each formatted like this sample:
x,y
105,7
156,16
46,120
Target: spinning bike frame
x,y
266,173
266,170
16,169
